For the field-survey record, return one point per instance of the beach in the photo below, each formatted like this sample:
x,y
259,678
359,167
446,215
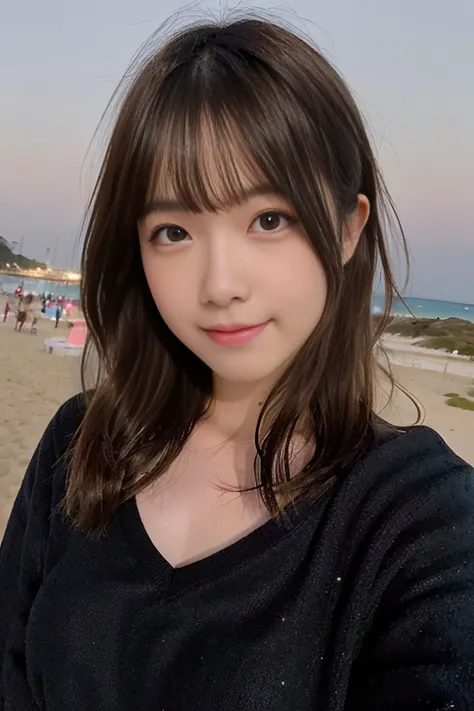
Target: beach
x,y
34,383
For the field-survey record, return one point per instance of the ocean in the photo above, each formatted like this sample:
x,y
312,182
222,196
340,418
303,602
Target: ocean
x,y
422,308
39,286
427,308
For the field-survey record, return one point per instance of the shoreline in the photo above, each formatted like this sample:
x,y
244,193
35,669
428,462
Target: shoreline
x,y
53,277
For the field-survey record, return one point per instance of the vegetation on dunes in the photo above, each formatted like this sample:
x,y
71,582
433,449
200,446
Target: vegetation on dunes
x,y
461,402
450,334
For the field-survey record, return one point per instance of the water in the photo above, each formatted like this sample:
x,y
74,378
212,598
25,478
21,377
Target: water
x,y
422,308
427,308
40,286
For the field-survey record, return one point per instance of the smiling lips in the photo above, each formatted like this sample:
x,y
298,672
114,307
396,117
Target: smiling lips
x,y
235,334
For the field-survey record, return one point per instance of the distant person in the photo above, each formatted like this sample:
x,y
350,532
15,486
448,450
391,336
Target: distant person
x,y
6,311
20,319
34,328
222,522
57,315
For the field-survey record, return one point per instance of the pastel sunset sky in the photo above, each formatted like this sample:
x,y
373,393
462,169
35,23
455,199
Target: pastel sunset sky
x,y
410,64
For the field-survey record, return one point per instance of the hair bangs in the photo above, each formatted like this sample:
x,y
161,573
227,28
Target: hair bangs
x,y
201,161
203,157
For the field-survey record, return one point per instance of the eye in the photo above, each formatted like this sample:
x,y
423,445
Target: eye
x,y
271,222
169,234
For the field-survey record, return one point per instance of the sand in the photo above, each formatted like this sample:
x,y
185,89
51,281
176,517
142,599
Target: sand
x,y
34,384
429,387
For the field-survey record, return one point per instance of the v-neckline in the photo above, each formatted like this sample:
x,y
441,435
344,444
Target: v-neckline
x,y
176,580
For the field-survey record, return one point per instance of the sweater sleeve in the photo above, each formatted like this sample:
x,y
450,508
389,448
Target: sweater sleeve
x,y
21,564
420,651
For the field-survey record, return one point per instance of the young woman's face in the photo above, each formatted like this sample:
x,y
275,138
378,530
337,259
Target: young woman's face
x,y
241,288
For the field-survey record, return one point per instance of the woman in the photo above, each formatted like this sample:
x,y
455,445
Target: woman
x,y
221,521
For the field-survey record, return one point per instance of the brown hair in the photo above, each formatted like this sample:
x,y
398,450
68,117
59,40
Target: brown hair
x,y
270,100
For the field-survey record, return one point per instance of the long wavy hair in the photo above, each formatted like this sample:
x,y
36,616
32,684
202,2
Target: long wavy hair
x,y
267,98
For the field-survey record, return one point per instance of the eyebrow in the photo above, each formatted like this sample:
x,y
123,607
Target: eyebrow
x,y
163,205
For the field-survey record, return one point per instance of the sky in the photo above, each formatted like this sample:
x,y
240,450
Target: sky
x,y
409,64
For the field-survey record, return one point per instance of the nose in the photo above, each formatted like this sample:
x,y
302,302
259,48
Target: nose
x,y
224,276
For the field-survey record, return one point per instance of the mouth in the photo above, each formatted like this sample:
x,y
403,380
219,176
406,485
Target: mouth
x,y
235,334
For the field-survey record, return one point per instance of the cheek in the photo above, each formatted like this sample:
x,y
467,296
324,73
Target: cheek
x,y
300,284
169,293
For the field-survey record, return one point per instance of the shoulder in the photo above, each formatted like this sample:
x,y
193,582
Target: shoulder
x,y
420,454
65,423
411,478
412,456
46,470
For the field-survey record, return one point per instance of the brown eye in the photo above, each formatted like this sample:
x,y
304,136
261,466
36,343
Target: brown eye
x,y
169,234
271,222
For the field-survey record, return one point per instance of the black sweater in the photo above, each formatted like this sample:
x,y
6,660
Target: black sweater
x,y
362,601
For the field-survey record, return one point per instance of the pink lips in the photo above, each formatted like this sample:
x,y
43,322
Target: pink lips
x,y
236,334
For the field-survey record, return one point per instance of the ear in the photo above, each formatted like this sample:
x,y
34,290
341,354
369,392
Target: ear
x,y
354,227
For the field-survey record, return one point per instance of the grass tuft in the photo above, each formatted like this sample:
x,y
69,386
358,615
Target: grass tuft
x,y
461,402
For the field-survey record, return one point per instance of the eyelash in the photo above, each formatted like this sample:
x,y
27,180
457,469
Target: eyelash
x,y
289,218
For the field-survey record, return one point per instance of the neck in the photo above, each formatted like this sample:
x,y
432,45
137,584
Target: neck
x,y
236,407
232,421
